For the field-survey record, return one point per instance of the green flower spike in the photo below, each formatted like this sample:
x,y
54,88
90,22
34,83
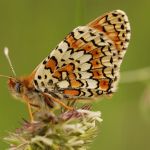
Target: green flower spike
x,y
69,130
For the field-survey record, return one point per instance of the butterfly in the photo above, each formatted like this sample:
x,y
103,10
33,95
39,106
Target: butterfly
x,y
83,66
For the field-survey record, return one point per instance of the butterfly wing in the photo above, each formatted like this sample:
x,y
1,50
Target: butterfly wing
x,y
87,62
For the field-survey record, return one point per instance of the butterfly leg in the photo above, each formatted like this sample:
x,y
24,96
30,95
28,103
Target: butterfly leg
x,y
29,108
30,112
59,102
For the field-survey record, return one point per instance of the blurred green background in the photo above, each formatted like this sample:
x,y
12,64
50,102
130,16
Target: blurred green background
x,y
31,28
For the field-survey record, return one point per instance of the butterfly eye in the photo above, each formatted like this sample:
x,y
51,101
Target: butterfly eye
x,y
18,87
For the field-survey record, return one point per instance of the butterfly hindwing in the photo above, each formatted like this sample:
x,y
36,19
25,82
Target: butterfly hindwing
x,y
87,62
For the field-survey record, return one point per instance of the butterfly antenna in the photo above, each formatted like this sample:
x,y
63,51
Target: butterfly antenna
x,y
5,76
6,52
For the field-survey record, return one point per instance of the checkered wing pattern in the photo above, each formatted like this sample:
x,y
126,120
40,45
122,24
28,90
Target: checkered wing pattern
x,y
86,63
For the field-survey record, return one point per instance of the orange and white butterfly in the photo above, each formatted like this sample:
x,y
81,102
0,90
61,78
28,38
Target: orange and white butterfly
x,y
83,66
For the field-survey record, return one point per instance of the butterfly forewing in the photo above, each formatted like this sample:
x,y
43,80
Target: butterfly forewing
x,y
86,63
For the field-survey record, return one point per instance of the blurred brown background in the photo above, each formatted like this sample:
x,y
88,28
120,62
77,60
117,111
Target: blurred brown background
x,y
32,28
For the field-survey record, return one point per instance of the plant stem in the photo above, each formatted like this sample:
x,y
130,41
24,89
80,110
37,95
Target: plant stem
x,y
138,75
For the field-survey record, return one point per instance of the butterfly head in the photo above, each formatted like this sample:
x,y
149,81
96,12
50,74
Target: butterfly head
x,y
16,87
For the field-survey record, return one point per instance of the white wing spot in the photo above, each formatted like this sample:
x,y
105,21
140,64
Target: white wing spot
x,y
63,84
